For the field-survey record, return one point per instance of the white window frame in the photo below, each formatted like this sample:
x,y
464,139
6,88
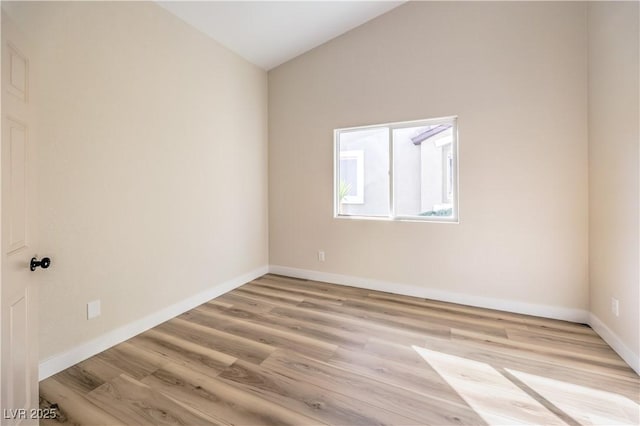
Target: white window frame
x,y
357,155
455,218
449,175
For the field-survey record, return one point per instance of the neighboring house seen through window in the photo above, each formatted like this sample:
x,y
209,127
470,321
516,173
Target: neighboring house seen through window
x,y
398,171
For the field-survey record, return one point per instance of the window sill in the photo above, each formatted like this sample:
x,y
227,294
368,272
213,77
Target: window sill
x,y
453,221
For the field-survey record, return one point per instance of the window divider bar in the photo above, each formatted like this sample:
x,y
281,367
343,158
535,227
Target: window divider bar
x,y
392,203
336,172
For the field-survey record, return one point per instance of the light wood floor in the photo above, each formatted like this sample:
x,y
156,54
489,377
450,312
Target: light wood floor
x,y
283,351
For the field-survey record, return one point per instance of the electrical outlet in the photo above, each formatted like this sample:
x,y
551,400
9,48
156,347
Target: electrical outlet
x,y
93,309
321,255
615,307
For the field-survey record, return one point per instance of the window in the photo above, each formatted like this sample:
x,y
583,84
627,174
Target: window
x,y
398,171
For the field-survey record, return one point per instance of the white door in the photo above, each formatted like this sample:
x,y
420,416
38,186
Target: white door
x,y
18,295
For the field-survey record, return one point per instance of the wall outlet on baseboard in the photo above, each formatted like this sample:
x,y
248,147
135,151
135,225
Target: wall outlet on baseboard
x,y
320,255
615,307
93,309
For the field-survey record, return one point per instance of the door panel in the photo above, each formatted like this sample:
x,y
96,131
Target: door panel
x,y
18,73
18,354
17,134
18,289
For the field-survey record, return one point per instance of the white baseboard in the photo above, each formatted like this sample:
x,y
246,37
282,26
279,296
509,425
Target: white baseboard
x,y
612,339
85,350
546,311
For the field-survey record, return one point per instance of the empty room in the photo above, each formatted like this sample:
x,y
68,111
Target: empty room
x,y
320,212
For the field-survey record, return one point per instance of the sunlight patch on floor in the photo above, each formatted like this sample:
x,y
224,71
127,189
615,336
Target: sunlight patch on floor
x,y
586,405
494,397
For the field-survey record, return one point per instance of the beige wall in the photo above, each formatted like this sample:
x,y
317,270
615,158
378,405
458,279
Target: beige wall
x,y
614,172
515,75
152,163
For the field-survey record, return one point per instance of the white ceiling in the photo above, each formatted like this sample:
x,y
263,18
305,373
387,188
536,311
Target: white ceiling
x,y
269,33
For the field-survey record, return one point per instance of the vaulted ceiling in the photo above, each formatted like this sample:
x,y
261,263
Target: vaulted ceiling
x,y
269,33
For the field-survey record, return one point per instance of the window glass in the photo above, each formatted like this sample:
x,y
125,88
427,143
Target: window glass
x,y
423,172
363,172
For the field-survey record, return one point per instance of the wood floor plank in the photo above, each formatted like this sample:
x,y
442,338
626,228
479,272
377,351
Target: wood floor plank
x,y
217,398
423,380
582,374
328,288
403,354
133,402
547,324
246,303
598,349
310,329
349,324
220,303
270,294
266,334
321,404
426,316
419,407
87,375
616,364
72,407
286,351
570,335
396,322
508,317
177,350
293,290
239,347
446,308
132,360
289,312
474,381
572,399
286,278
315,313
433,311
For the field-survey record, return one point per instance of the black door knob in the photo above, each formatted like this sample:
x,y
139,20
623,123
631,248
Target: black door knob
x,y
44,263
